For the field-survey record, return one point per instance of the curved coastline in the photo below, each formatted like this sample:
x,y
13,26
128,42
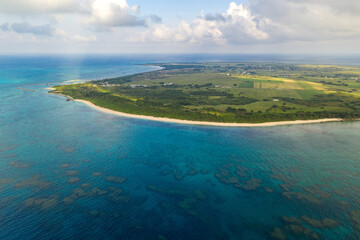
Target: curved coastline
x,y
200,123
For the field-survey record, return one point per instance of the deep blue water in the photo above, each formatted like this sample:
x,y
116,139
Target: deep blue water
x,y
71,172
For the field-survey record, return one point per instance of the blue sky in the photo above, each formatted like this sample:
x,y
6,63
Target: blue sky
x,y
198,26
185,9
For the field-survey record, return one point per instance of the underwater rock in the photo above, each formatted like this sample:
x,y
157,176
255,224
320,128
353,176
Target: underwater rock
x,y
78,193
4,181
166,172
295,229
33,182
19,165
7,148
285,187
68,200
355,218
115,195
161,237
325,223
116,179
200,195
139,200
81,193
136,228
177,192
344,204
120,199
190,165
299,230
65,165
123,155
277,234
291,220
218,176
187,204
72,173
252,184
228,166
116,215
204,172
302,196
242,171
49,203
283,178
43,203
73,180
67,149
268,190
330,223
224,172
154,188
96,213
97,174
192,172
166,205
316,190
231,180
178,175
97,192
86,185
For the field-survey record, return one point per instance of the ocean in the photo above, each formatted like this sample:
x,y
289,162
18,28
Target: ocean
x,y
68,171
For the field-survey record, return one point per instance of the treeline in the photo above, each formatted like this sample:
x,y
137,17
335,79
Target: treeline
x,y
180,66
158,109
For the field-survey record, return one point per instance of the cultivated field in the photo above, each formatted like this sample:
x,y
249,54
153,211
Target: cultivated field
x,y
230,92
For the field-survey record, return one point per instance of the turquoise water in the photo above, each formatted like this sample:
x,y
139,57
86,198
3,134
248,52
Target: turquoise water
x,y
71,172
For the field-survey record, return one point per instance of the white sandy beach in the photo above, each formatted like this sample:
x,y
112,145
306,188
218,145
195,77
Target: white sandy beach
x,y
218,124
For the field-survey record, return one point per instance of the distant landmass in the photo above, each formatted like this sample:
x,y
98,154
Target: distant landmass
x,y
229,92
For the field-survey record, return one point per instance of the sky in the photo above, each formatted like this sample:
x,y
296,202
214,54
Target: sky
x,y
186,26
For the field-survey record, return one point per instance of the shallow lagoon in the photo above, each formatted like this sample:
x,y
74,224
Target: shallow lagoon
x,y
68,171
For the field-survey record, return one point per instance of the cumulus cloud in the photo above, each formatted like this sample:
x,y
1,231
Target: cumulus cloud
x,y
27,7
106,14
155,19
307,20
237,24
263,21
25,27
99,15
5,27
79,38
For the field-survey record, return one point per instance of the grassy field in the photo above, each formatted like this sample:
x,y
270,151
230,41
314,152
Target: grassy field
x,y
230,92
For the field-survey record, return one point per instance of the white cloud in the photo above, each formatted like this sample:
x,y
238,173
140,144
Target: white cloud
x,y
114,13
100,13
27,28
252,24
28,7
79,38
237,24
264,21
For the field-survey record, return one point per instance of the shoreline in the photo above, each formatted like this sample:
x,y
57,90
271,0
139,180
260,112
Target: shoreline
x,y
200,123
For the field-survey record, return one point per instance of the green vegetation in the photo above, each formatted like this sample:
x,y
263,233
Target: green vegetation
x,y
230,92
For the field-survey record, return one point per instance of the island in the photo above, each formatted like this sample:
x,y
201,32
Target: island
x,y
228,94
